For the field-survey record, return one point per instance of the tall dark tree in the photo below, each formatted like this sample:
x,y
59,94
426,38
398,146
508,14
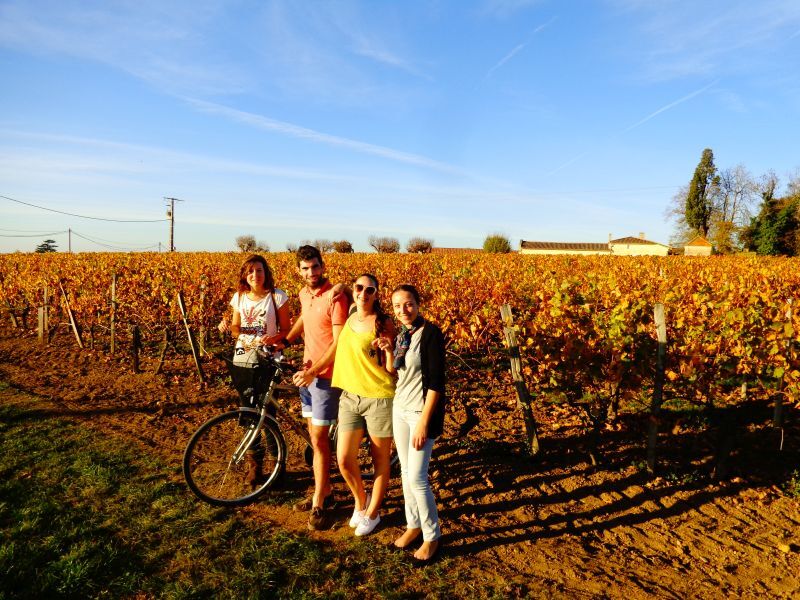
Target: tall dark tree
x,y
700,198
46,246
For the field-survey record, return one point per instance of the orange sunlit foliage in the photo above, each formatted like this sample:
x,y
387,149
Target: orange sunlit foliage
x,y
585,322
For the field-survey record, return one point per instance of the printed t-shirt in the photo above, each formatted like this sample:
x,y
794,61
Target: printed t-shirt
x,y
258,318
356,368
319,317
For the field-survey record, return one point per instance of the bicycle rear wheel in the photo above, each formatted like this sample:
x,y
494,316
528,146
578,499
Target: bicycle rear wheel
x,y
219,456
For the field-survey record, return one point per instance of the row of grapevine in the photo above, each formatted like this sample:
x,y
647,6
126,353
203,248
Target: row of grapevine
x,y
586,322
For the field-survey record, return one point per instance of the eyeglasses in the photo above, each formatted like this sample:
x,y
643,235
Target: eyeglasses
x,y
368,290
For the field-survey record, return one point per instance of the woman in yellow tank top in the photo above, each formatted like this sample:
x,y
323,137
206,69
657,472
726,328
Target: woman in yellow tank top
x,y
364,371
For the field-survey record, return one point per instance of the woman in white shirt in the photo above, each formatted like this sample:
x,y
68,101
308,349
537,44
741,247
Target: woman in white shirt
x,y
260,310
260,318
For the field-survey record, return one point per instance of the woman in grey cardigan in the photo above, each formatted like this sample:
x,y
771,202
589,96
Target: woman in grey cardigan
x,y
418,417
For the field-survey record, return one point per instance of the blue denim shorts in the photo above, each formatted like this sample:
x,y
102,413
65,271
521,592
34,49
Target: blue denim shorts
x,y
320,402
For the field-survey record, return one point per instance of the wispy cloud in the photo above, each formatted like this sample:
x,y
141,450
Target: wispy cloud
x,y
369,49
157,42
710,38
67,153
297,131
505,8
335,54
518,48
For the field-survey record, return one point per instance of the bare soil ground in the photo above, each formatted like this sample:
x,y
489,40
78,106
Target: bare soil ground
x,y
558,527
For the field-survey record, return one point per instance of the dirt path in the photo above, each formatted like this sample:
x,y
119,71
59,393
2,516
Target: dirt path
x,y
560,527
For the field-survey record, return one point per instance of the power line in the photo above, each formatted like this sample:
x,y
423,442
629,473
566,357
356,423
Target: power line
x,y
24,231
36,235
84,216
110,247
96,239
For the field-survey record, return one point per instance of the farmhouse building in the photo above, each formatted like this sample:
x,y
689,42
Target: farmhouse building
x,y
637,246
626,246
699,246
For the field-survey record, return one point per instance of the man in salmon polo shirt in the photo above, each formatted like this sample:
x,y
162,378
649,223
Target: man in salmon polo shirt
x,y
320,322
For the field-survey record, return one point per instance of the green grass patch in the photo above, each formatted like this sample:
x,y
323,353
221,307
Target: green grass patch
x,y
792,485
84,514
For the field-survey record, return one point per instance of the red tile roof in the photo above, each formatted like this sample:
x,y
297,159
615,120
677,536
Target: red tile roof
x,y
456,250
633,240
699,241
582,246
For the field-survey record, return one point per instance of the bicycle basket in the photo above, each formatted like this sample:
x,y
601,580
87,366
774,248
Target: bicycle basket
x,y
250,380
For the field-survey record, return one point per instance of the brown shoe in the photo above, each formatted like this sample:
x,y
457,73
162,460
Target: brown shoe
x,y
306,504
319,519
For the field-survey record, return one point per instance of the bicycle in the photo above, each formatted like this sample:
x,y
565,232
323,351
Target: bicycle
x,y
215,462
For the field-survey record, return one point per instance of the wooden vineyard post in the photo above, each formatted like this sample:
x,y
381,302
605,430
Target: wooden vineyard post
x,y
44,325
523,397
777,414
113,311
203,333
190,334
14,322
136,345
167,341
71,316
658,389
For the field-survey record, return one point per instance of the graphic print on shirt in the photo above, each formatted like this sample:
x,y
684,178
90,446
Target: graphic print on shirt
x,y
253,320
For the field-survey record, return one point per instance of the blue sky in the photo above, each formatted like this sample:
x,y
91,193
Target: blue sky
x,y
542,120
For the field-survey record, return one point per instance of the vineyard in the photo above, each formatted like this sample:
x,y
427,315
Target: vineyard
x,y
586,323
556,527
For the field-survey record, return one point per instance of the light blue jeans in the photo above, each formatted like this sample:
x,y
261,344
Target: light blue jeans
x,y
420,504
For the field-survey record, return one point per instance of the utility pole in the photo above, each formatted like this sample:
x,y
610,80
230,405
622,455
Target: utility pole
x,y
171,215
69,240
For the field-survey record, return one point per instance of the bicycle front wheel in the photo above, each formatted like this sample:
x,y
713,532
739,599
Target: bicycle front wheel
x,y
229,461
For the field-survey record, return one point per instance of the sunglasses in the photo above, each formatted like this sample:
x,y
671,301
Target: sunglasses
x,y
368,290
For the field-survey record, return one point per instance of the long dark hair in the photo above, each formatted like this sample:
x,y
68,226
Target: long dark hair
x,y
269,282
381,318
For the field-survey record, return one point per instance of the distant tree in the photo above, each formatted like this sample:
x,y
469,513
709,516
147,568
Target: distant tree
x,y
290,247
46,246
793,187
699,199
734,196
776,228
384,245
419,245
496,243
324,246
676,212
342,247
248,243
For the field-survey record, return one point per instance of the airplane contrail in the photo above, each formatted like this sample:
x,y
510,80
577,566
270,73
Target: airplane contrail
x,y
517,48
670,105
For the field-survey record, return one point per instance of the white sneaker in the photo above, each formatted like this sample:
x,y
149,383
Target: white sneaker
x,y
367,525
358,515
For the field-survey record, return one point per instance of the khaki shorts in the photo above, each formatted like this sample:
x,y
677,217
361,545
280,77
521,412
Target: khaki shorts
x,y
371,414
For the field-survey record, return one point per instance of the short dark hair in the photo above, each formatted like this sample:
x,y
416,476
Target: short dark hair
x,y
407,287
247,265
308,253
